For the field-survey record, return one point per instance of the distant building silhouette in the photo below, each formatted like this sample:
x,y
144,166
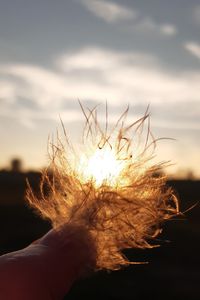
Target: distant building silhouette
x,y
16,165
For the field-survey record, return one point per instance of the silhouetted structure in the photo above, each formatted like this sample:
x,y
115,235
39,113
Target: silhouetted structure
x,y
16,165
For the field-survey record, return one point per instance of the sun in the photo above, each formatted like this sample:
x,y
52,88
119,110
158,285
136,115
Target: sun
x,y
102,166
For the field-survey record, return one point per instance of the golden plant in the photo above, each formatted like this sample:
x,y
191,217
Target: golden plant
x,y
111,188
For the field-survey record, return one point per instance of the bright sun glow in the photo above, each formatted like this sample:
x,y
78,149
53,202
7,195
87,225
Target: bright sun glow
x,y
102,166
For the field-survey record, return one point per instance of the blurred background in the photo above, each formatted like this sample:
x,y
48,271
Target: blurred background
x,y
130,52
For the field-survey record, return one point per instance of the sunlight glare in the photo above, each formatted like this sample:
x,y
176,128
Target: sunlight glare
x,y
102,166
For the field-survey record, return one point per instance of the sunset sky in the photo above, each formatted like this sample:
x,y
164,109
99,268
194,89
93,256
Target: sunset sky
x,y
135,52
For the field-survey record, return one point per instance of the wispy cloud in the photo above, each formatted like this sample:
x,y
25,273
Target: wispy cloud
x,y
131,73
193,48
112,12
96,74
101,59
109,11
148,25
168,29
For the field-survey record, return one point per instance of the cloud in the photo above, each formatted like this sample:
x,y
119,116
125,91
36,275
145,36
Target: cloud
x,y
109,11
132,74
148,25
99,59
112,12
98,74
193,48
34,93
168,29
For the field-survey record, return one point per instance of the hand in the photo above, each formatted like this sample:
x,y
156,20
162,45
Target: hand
x,y
46,269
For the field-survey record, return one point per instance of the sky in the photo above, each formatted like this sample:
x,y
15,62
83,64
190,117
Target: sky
x,y
130,52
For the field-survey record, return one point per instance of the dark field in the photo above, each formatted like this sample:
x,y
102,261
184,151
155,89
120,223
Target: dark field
x,y
173,271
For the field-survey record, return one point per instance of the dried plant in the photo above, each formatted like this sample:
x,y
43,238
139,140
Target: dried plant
x,y
123,208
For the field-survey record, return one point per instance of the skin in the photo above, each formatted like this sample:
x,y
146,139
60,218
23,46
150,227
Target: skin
x,y
46,269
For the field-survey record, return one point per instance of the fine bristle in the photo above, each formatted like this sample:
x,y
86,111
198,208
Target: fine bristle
x,y
117,217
